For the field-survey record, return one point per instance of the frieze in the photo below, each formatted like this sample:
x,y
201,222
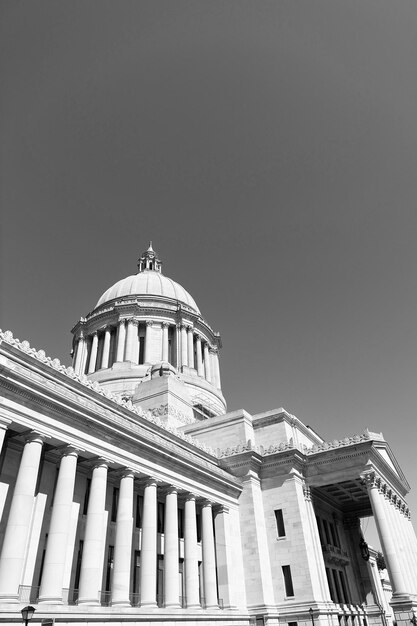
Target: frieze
x,y
337,443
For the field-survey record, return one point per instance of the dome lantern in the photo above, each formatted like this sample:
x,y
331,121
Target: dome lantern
x,y
149,261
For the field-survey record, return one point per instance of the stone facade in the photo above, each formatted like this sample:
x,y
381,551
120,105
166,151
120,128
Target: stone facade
x,y
129,494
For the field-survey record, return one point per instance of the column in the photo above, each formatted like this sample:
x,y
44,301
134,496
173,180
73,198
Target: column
x,y
165,326
106,349
192,592
93,354
171,553
123,542
207,363
148,554
385,535
209,556
14,544
200,367
225,572
184,347
131,339
216,368
56,548
121,340
147,358
411,538
190,339
393,505
79,355
213,355
92,561
135,349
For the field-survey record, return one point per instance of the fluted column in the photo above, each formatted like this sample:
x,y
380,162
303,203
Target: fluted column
x,y
225,572
149,324
121,340
79,355
106,349
393,504
123,542
184,347
18,523
192,592
148,555
199,356
56,547
93,354
385,535
411,539
171,553
209,556
215,367
131,339
207,368
165,355
92,560
190,339
136,345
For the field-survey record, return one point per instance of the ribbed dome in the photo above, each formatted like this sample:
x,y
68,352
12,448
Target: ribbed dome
x,y
148,283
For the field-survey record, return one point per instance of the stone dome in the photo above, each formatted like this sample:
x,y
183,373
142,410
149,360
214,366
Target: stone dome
x,y
148,283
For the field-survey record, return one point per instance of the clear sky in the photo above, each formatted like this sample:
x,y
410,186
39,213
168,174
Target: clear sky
x,y
268,149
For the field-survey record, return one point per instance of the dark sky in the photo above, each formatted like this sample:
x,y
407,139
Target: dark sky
x,y
268,149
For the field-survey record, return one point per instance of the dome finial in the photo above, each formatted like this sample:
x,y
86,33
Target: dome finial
x,y
149,261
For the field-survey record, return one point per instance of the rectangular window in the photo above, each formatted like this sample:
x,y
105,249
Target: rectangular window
x,y
198,520
343,585
335,538
78,568
136,578
286,572
110,557
337,586
161,515
114,504
292,623
326,532
86,496
279,519
180,523
141,350
330,583
139,511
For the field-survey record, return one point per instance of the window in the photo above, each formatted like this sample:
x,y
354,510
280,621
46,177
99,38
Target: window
x,y
78,567
86,496
180,523
279,519
343,585
161,515
115,502
110,558
141,350
198,520
326,532
330,583
139,511
320,529
136,578
335,538
337,586
286,572
292,624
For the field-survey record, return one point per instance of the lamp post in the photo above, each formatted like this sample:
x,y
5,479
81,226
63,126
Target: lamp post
x,y
27,614
310,610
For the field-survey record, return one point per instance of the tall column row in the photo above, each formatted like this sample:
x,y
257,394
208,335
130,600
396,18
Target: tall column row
x,y
193,351
394,533
19,521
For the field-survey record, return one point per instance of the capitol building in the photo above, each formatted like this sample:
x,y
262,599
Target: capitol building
x,y
130,495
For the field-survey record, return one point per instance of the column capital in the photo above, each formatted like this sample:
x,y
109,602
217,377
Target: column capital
x,y
33,435
149,322
221,509
205,502
121,322
189,328
101,462
190,496
165,324
70,450
307,493
133,321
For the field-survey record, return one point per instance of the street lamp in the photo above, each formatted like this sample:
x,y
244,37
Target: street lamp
x,y
310,610
27,614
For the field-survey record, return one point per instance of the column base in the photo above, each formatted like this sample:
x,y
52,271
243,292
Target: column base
x,y
172,605
46,600
193,606
120,603
148,605
89,601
